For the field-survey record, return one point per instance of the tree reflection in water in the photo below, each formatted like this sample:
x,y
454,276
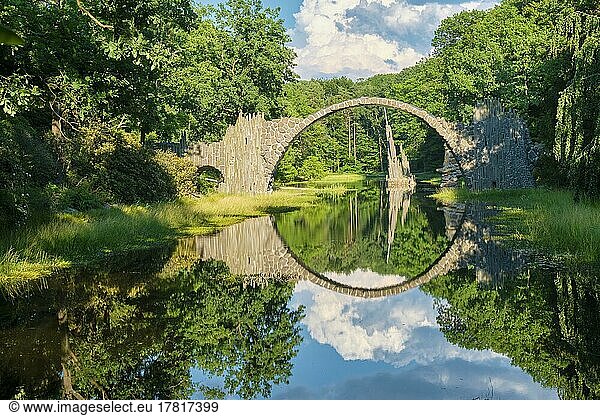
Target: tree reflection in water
x,y
137,335
132,336
546,321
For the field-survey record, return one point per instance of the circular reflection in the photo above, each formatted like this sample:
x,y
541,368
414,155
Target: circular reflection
x,y
373,242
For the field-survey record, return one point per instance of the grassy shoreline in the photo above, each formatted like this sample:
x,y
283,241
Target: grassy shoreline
x,y
70,240
545,218
332,179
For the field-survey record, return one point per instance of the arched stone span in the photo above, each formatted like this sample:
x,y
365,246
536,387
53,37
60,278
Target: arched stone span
x,y
495,151
281,133
251,150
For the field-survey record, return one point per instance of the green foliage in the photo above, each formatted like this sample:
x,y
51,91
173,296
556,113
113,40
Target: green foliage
x,y
80,198
116,165
92,237
162,68
545,321
26,163
209,179
312,168
183,172
577,143
336,139
550,220
233,60
349,233
246,335
539,57
286,171
139,335
8,37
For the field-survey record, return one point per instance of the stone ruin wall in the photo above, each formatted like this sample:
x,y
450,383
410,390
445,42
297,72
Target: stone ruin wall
x,y
504,149
495,151
237,156
502,156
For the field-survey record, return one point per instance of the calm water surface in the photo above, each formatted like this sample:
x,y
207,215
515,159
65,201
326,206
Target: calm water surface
x,y
372,295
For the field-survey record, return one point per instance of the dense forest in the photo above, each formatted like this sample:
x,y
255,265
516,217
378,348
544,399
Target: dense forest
x,y
94,85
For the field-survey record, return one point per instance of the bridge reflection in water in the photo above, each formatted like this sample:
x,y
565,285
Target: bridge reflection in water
x,y
255,249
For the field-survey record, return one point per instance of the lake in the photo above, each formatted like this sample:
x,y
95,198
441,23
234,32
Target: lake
x,y
374,294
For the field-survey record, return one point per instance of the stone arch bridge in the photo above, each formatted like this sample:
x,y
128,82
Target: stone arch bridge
x,y
254,249
495,151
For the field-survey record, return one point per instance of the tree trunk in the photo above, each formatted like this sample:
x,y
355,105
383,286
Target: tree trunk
x,y
354,136
56,122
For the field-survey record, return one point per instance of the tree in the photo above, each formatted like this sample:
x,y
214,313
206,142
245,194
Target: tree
x,y
545,321
577,142
234,60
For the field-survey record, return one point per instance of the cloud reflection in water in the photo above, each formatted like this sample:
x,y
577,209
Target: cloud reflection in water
x,y
392,348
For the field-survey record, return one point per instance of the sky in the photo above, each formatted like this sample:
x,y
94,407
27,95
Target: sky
x,y
362,38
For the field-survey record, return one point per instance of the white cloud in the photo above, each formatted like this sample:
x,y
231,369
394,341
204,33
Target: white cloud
x,y
397,330
365,279
360,38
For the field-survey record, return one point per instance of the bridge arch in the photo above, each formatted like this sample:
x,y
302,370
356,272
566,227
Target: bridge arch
x,y
458,247
494,151
252,148
285,131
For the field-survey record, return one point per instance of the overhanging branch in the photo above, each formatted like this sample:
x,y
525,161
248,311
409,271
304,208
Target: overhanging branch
x,y
91,16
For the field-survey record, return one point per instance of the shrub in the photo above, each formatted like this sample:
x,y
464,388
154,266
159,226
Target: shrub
x,y
286,172
312,168
184,173
80,198
26,162
116,164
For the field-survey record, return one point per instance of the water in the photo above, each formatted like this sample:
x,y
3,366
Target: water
x,y
371,295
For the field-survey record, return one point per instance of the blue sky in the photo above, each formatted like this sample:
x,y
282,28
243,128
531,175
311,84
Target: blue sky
x,y
361,38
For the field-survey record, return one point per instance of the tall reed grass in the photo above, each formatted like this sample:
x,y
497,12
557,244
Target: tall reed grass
x,y
550,219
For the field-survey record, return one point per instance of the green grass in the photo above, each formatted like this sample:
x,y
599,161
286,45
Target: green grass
x,y
13,265
432,178
89,237
548,219
332,179
339,178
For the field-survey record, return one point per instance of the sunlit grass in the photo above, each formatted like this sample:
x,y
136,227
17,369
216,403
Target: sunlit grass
x,y
16,267
82,238
550,219
332,179
432,178
339,178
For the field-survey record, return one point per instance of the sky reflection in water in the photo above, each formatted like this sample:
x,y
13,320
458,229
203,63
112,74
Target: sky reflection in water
x,y
391,348
384,348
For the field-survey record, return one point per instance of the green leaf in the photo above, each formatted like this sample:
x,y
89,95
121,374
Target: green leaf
x,y
8,37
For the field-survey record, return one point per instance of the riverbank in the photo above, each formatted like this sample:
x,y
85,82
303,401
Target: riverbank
x,y
547,219
79,239
432,178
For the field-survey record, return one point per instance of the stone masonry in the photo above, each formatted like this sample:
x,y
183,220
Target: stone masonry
x,y
251,150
